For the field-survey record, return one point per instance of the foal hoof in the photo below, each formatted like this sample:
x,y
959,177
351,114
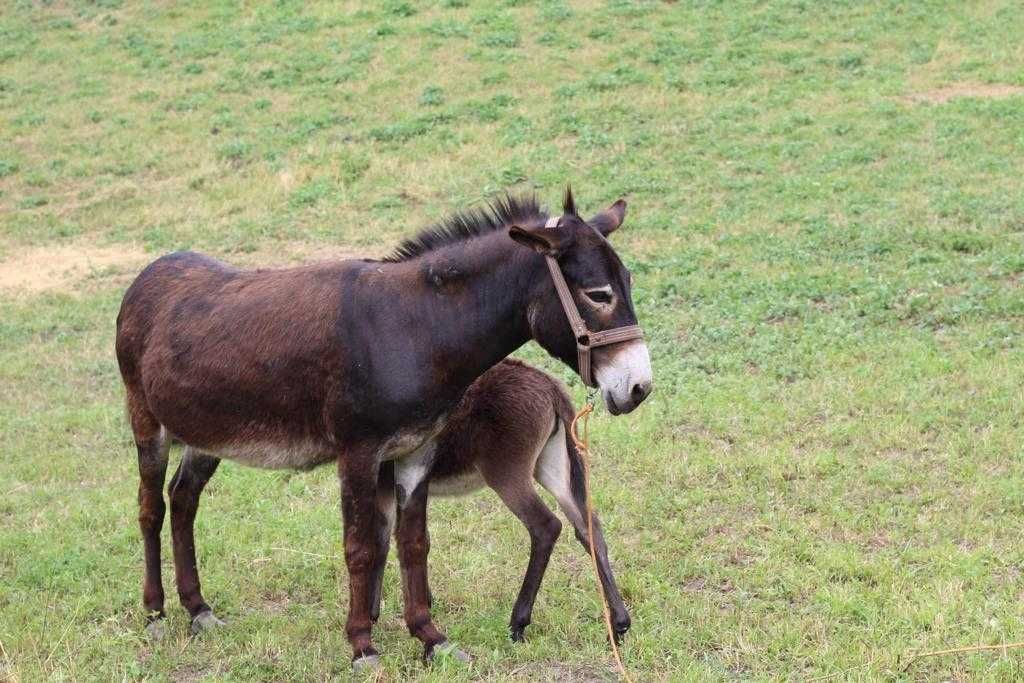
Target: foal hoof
x,y
620,628
518,635
156,629
366,663
204,621
446,650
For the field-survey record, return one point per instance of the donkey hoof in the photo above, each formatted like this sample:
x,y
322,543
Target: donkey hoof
x,y
204,621
366,663
156,629
446,650
517,634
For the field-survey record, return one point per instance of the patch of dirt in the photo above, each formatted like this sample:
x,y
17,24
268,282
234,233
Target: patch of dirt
x,y
190,673
275,602
991,91
694,584
698,584
61,267
879,541
558,671
65,267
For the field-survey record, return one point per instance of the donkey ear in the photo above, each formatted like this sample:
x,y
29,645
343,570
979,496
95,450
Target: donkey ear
x,y
611,218
548,241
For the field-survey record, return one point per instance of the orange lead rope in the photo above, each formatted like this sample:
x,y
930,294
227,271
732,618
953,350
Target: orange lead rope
x,y
583,448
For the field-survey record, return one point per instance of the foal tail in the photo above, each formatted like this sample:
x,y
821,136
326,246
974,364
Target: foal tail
x,y
566,413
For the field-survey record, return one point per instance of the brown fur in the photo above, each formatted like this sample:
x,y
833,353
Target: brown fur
x,y
495,436
353,362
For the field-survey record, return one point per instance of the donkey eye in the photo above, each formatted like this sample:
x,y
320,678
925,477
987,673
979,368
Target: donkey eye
x,y
599,296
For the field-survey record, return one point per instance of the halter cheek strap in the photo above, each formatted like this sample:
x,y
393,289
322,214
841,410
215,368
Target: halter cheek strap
x,y
585,339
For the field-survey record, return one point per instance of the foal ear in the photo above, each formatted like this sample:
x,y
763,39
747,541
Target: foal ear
x,y
548,241
611,218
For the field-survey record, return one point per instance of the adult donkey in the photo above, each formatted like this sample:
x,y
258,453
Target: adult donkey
x,y
355,362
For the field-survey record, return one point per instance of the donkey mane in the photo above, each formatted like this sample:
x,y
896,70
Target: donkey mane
x,y
496,214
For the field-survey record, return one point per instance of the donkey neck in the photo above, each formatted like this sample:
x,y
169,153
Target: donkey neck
x,y
458,309
479,296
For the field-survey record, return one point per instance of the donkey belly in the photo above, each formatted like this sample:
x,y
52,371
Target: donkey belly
x,y
298,455
457,484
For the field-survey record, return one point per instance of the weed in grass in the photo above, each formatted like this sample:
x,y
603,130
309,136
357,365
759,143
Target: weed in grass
x,y
432,96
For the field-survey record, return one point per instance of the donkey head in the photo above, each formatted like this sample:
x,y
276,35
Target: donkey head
x,y
600,286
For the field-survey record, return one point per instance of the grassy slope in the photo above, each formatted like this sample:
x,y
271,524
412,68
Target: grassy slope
x,y
829,472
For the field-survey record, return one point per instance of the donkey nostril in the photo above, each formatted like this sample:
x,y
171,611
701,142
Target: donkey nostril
x,y
640,391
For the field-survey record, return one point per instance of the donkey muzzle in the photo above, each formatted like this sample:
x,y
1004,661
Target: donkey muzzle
x,y
623,373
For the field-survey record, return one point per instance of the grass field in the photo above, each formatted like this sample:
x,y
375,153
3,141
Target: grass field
x,y
826,229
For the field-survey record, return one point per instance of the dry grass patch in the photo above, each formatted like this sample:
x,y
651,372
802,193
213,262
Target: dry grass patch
x,y
992,91
62,267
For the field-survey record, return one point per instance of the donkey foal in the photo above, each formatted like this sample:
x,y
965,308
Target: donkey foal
x,y
510,428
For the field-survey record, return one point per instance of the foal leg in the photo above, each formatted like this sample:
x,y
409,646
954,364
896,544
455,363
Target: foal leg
x,y
186,485
152,444
413,547
386,507
520,497
362,521
560,471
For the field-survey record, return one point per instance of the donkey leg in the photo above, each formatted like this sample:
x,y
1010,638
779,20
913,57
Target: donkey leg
x,y
560,471
413,547
520,497
153,444
186,485
361,519
386,507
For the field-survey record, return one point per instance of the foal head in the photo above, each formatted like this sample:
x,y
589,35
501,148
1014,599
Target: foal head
x,y
600,286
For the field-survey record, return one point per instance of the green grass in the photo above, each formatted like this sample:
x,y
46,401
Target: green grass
x,y
829,271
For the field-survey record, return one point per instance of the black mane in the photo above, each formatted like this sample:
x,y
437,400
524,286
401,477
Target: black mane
x,y
496,214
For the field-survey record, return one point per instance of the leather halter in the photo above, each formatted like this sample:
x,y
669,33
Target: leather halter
x,y
585,339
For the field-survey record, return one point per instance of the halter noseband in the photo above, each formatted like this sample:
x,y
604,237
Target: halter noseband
x,y
585,339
